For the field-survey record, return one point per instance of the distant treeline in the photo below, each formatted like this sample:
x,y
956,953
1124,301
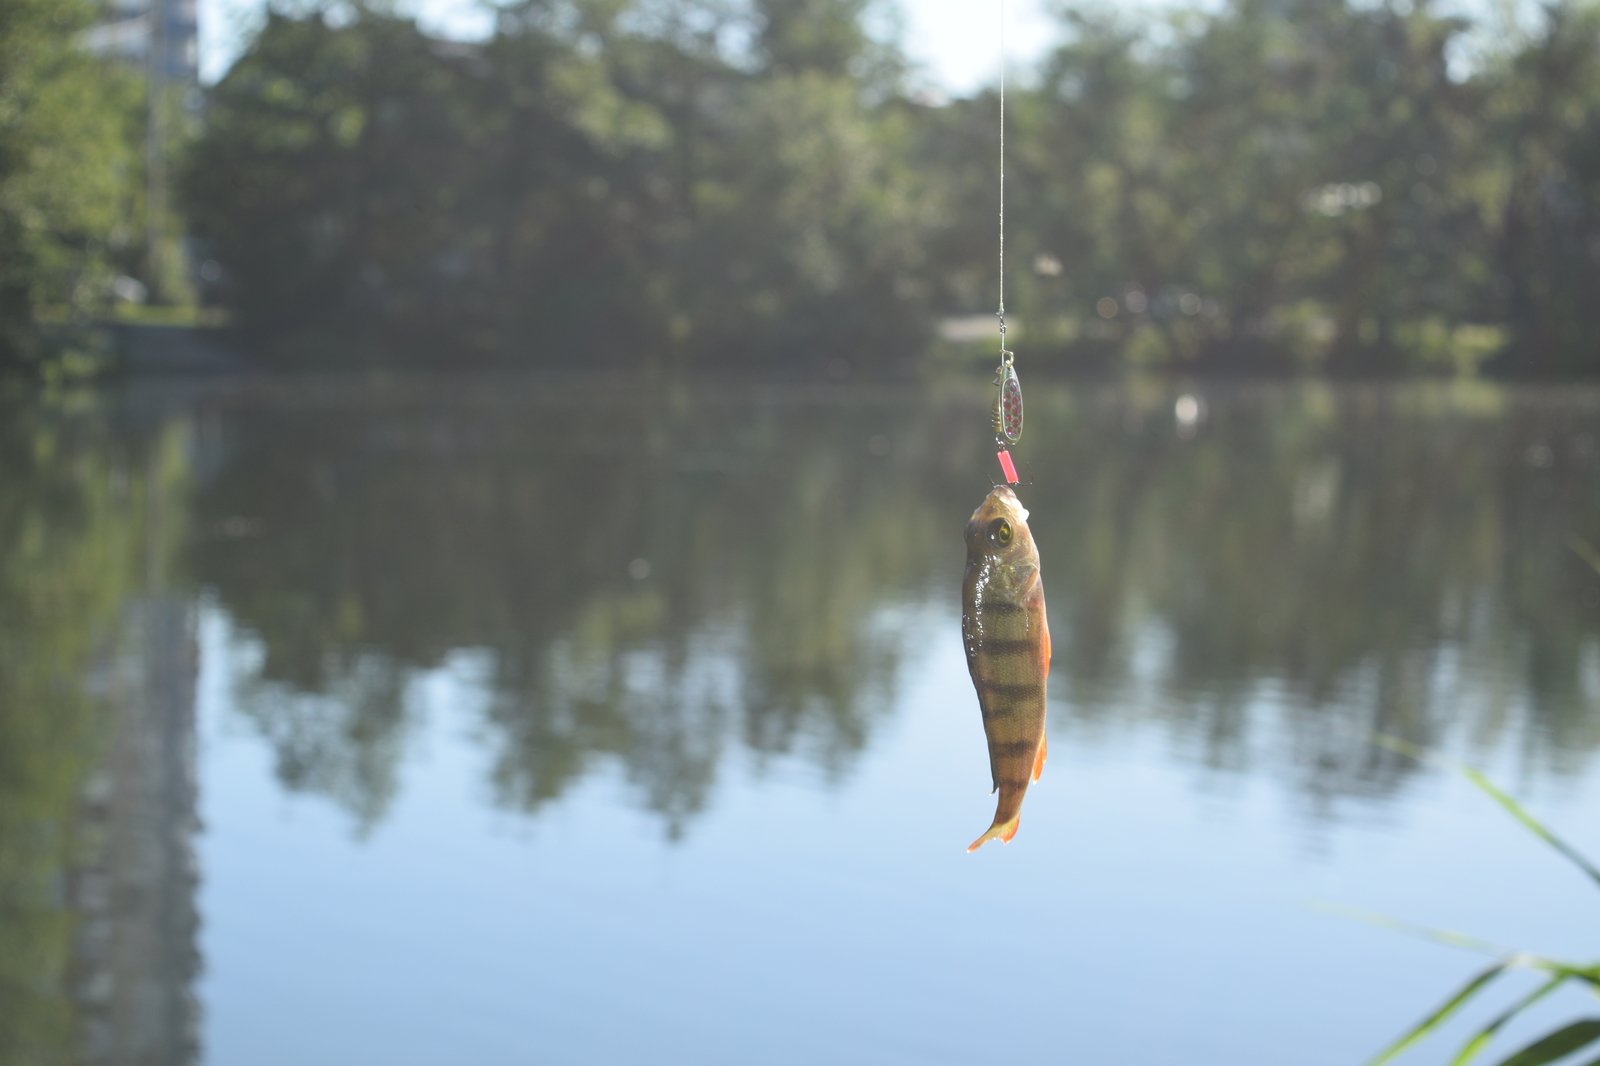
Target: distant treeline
x,y
1279,186
601,181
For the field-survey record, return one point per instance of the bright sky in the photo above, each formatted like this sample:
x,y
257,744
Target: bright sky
x,y
957,42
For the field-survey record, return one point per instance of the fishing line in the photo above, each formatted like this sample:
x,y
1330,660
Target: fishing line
x,y
1007,415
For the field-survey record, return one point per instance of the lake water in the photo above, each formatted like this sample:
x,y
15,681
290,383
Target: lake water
x,y
531,721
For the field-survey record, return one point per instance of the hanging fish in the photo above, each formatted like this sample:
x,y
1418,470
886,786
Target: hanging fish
x,y
1008,649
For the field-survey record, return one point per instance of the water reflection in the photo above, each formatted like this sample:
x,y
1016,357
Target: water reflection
x,y
97,920
376,538
1345,560
660,579
1341,560
1369,559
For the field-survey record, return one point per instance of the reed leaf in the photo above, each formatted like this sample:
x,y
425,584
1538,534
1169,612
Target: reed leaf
x,y
1427,932
1516,811
1472,1047
1557,1044
1584,551
1439,1016
1509,805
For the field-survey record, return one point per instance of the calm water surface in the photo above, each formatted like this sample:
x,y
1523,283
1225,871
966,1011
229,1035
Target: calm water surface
x,y
463,721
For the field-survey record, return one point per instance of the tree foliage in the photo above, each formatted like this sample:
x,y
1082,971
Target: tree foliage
x,y
588,181
1293,184
1276,185
65,163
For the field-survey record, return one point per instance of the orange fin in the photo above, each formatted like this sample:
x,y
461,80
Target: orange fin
x,y
1047,649
1003,830
1038,760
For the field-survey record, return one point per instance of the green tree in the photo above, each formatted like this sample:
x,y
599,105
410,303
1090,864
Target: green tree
x,y
65,162
607,184
1243,191
1546,111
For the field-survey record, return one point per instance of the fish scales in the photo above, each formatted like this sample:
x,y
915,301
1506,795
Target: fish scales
x,y
1007,639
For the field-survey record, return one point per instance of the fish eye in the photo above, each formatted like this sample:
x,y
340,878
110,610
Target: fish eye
x,y
1000,531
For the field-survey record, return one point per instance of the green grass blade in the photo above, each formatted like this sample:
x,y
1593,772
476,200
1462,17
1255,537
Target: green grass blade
x,y
1472,1047
1558,1044
1585,552
1511,806
1426,932
1439,1016
1516,811
1404,747
1589,975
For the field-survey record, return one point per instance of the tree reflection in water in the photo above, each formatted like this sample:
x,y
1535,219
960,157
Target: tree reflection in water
x,y
1265,583
1270,579
97,921
769,550
1371,559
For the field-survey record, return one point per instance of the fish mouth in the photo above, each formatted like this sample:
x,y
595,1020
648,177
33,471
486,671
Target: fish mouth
x,y
1001,502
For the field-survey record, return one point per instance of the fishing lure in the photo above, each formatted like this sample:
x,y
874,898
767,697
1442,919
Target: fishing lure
x,y
1007,409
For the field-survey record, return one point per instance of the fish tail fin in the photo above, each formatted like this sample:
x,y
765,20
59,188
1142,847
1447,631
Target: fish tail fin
x,y
1038,760
1003,830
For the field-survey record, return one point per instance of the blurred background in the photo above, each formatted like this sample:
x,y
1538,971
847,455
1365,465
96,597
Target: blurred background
x,y
1273,187
480,507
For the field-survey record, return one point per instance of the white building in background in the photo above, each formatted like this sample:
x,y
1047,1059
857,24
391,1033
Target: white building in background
x,y
132,29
